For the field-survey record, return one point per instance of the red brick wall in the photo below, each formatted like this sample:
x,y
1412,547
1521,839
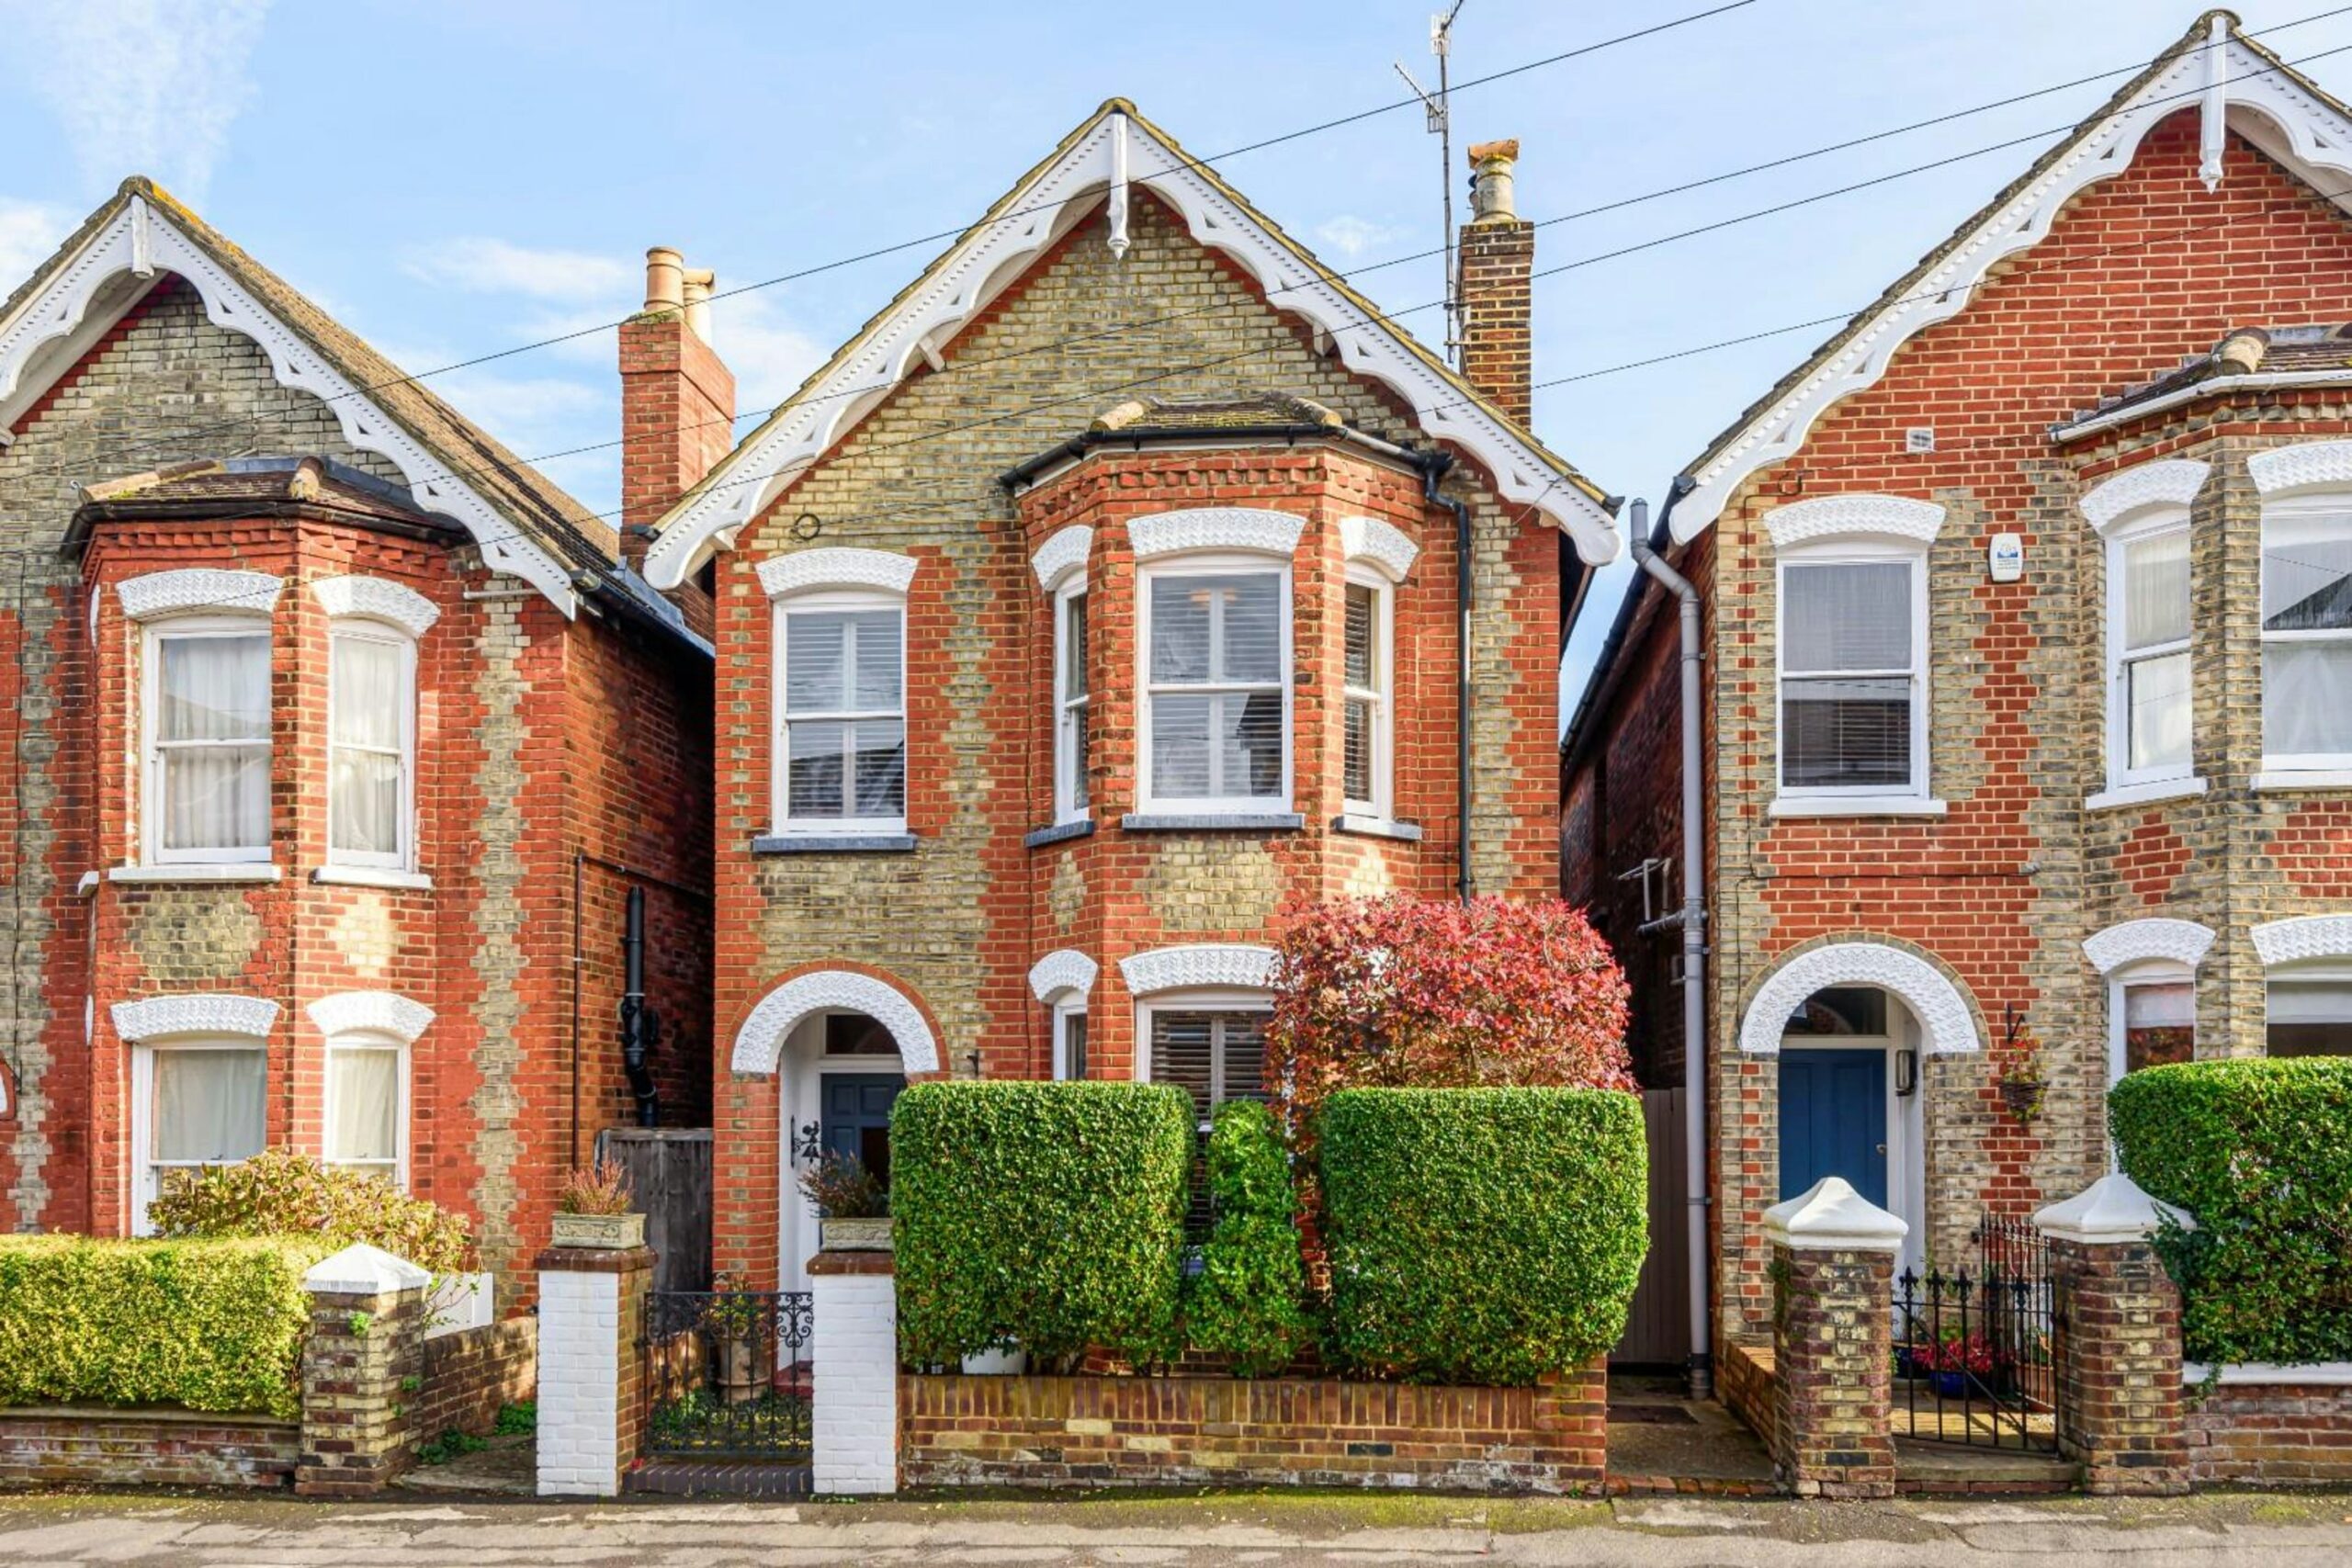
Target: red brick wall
x,y
145,1448
1079,1431
2270,1435
470,1375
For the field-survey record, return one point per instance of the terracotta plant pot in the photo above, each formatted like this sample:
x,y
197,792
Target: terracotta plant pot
x,y
855,1236
606,1233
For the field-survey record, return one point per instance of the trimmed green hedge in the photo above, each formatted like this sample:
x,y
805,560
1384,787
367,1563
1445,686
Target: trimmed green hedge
x,y
211,1324
2260,1153
1481,1235
1049,1215
1250,1301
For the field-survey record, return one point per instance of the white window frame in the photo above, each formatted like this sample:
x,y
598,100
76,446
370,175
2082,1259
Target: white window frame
x,y
144,1186
365,630
151,772
1849,551
1066,1008
834,600
1217,1000
1380,695
1071,714
2279,768
2120,774
369,1039
2323,971
1209,565
2147,972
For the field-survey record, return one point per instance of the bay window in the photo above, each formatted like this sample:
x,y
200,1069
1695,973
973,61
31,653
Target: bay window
x,y
2148,662
2310,1013
2307,634
197,1103
1216,697
1070,1041
841,746
1073,703
208,743
1365,637
1853,672
367,1097
371,746
2156,1019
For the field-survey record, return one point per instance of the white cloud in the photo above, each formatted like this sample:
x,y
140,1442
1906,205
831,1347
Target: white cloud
x,y
29,232
139,86
1351,236
482,266
769,355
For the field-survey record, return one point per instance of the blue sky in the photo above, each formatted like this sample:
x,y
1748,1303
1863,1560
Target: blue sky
x,y
454,178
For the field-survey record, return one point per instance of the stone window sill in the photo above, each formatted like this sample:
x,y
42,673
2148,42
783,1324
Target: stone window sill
x,y
1376,828
1857,806
1059,833
2307,778
372,876
1212,822
191,870
2146,794
834,844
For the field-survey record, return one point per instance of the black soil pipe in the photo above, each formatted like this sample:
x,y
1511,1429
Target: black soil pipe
x,y
1463,886
641,1025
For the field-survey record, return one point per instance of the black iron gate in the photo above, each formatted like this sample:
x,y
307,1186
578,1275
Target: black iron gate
x,y
727,1373
1971,1350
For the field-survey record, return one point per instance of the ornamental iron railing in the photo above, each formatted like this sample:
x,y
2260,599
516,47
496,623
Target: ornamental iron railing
x,y
727,1373
1973,1347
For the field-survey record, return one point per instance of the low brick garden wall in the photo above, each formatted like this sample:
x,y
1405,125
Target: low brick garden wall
x,y
1743,1382
2270,1433
470,1375
958,1430
70,1445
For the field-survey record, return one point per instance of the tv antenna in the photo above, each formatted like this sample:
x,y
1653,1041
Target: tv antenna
x,y
1441,127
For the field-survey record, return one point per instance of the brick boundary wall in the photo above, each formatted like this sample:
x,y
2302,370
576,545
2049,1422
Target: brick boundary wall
x,y
470,1375
72,1445
956,1431
2273,1435
1744,1379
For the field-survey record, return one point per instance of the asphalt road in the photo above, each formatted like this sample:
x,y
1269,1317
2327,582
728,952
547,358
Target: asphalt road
x,y
192,1533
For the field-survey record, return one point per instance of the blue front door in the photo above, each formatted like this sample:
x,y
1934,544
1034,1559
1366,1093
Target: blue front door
x,y
856,1118
1833,1119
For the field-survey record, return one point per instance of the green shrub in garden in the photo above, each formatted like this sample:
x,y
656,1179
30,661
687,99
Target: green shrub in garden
x,y
1480,1236
1249,1302
279,1192
214,1325
2259,1152
1046,1215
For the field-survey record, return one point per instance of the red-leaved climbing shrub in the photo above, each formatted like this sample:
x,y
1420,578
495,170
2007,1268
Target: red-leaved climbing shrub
x,y
1411,992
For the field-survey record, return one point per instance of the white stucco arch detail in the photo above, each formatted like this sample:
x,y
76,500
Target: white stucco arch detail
x,y
203,1013
760,1042
1217,965
1064,551
1945,1021
2135,941
2302,939
377,599
195,589
370,1013
835,567
1064,973
1836,516
1379,545
1250,528
2306,465
2172,481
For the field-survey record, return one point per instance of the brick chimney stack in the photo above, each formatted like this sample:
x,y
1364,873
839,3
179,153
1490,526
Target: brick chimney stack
x,y
1498,259
677,397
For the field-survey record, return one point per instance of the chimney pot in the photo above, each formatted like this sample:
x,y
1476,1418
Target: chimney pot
x,y
1492,198
1496,271
664,279
695,288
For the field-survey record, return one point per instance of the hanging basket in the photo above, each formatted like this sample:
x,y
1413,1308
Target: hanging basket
x,y
2022,1097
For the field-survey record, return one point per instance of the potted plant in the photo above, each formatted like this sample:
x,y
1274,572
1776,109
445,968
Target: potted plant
x,y
1956,1358
736,1317
853,1206
594,1210
2017,1072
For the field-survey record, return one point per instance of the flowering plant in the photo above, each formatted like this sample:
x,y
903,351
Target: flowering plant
x,y
602,1188
1959,1353
1400,992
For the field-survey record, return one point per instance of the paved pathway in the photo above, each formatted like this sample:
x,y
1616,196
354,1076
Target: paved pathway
x,y
212,1532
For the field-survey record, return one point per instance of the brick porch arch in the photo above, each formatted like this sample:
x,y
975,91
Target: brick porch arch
x,y
760,1042
1946,1020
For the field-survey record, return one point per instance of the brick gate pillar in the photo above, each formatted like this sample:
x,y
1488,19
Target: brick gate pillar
x,y
854,1431
1833,1316
592,1367
366,1340
2116,1341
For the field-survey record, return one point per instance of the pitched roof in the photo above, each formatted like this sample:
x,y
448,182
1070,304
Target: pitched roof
x,y
523,521
2237,82
1115,148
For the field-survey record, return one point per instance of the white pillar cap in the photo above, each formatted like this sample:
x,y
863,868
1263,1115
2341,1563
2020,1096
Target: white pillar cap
x,y
2113,1209
1833,1217
360,1269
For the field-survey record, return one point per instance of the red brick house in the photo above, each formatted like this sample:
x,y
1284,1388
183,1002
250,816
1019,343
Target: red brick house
x,y
2026,713
1102,595
339,739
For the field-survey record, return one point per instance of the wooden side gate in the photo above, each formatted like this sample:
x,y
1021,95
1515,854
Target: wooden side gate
x,y
669,1171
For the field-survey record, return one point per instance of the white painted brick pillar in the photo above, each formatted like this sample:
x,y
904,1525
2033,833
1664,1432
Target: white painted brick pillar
x,y
854,1427
592,1316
